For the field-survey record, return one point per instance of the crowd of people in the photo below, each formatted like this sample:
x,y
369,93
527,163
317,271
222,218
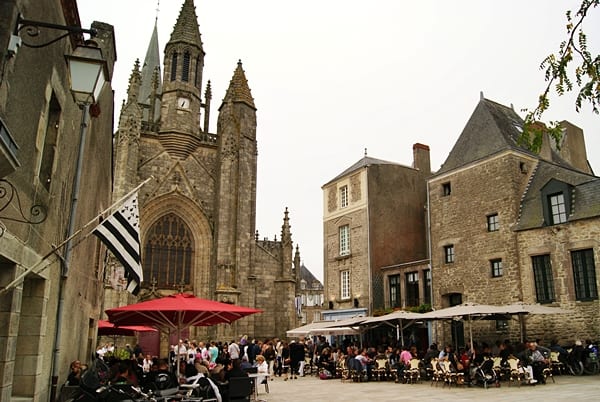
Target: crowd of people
x,y
220,361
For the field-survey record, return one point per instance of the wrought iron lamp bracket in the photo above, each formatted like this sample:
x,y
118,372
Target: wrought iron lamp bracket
x,y
32,30
8,194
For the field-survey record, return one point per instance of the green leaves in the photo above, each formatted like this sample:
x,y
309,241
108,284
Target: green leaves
x,y
558,72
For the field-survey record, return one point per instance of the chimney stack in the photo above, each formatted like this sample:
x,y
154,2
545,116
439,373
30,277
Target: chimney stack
x,y
421,160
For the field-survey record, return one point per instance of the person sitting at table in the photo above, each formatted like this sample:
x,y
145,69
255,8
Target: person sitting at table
x,y
262,367
75,375
163,378
366,362
234,370
325,361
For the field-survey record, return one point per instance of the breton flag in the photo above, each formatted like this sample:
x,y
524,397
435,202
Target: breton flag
x,y
120,232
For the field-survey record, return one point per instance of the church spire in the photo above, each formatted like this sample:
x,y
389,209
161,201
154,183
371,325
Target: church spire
x,y
238,90
151,63
186,28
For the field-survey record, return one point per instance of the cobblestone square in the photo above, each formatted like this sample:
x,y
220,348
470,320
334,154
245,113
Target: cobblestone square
x,y
304,389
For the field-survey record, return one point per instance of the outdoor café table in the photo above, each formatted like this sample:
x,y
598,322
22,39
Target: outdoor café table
x,y
266,376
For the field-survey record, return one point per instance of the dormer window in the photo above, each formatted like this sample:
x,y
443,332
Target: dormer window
x,y
556,202
557,208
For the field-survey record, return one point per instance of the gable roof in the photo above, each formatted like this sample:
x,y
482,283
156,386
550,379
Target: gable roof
x,y
362,163
309,278
585,195
492,128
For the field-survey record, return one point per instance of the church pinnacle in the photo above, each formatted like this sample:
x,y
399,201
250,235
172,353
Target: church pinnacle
x,y
238,90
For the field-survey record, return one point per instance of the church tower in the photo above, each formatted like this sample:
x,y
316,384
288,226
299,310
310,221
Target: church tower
x,y
198,210
182,79
236,183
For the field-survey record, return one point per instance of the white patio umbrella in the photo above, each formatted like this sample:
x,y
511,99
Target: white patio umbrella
x,y
396,319
462,311
522,309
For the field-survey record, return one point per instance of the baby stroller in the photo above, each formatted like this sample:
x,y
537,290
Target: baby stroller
x,y
485,374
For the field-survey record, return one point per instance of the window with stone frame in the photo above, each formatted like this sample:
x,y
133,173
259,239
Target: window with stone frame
x,y
344,237
558,211
48,156
412,288
496,265
542,276
169,253
501,325
394,289
449,253
584,274
446,189
493,224
345,285
343,196
427,287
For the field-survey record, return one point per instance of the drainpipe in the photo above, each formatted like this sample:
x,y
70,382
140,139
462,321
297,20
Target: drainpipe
x,y
67,257
428,206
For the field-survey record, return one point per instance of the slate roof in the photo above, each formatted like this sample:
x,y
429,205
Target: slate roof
x,y
151,61
309,277
363,162
585,200
492,128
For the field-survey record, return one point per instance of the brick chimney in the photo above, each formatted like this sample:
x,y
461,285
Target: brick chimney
x,y
421,158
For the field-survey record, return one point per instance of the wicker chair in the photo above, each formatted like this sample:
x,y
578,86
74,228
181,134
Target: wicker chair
x,y
412,374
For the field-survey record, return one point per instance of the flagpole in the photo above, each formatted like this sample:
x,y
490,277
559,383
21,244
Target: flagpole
x,y
20,277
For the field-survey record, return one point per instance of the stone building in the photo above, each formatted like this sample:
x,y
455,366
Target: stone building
x,y
198,210
310,296
374,227
508,225
48,318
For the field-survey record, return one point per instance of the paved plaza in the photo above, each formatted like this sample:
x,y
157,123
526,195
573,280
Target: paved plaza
x,y
311,389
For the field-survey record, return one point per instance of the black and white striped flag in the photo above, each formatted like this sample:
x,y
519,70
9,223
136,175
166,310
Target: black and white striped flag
x,y
120,232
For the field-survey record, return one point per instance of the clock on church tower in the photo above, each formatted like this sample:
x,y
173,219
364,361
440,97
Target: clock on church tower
x,y
183,102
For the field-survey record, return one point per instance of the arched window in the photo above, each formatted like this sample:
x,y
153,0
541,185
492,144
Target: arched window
x,y
174,66
185,72
169,252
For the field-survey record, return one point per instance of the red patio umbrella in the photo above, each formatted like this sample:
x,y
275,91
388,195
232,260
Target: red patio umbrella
x,y
178,311
106,328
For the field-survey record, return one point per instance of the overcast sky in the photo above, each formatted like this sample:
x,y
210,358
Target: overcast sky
x,y
331,78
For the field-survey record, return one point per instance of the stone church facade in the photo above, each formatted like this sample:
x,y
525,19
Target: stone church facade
x,y
198,209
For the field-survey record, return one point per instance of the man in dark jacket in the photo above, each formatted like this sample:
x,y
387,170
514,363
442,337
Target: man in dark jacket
x,y
296,355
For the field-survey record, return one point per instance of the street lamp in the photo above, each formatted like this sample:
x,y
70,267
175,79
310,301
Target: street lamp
x,y
88,73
